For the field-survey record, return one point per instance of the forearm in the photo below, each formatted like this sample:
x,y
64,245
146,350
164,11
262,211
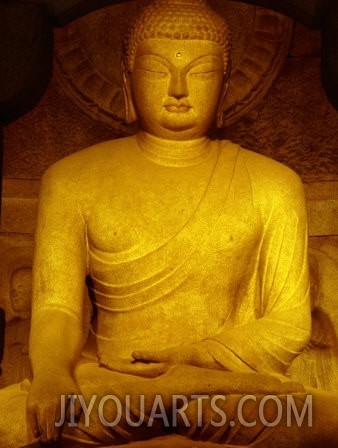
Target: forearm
x,y
222,357
264,345
55,342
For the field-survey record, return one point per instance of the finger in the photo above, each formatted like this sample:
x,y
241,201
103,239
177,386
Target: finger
x,y
33,421
71,407
56,428
42,426
150,356
116,365
265,379
244,383
57,433
291,387
142,369
78,410
150,370
138,368
50,423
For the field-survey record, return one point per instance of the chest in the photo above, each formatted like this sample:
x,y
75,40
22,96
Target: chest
x,y
145,212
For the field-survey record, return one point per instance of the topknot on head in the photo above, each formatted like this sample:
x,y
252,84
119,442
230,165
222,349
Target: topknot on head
x,y
177,19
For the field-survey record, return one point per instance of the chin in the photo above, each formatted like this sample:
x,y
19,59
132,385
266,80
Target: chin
x,y
179,123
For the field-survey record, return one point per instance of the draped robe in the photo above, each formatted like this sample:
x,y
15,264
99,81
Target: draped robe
x,y
209,250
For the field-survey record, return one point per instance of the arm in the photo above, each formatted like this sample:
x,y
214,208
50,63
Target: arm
x,y
281,328
58,285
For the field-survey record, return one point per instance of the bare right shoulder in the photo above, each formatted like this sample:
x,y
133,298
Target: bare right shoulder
x,y
94,162
77,181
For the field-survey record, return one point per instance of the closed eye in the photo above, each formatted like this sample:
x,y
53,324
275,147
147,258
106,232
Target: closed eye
x,y
201,72
154,71
204,74
205,66
153,66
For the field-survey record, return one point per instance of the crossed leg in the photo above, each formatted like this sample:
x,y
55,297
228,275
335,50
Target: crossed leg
x,y
196,418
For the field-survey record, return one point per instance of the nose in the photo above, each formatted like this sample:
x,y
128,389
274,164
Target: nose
x,y
13,294
178,87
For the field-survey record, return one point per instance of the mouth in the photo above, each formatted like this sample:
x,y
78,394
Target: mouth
x,y
178,108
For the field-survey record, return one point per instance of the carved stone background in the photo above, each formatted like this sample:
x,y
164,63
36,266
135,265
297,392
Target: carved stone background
x,y
16,254
88,54
294,124
16,251
303,131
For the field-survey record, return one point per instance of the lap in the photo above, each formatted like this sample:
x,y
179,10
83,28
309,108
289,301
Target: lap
x,y
100,381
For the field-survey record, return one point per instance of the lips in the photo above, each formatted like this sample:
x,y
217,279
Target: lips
x,y
177,107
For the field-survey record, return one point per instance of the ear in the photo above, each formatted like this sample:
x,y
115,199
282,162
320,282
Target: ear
x,y
131,116
221,105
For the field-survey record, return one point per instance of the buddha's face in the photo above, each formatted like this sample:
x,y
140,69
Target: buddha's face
x,y
176,86
21,290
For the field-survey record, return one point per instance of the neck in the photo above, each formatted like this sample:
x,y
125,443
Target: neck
x,y
174,153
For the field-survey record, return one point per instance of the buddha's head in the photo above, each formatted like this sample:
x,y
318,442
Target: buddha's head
x,y
176,66
21,290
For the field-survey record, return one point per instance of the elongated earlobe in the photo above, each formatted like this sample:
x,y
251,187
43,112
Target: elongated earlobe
x,y
221,105
130,112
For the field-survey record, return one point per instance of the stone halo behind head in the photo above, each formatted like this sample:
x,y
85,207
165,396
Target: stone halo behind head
x,y
88,53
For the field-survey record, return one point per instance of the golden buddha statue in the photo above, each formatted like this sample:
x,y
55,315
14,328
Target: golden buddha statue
x,y
196,254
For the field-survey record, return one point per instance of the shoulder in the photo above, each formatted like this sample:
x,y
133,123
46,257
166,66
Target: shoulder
x,y
270,181
268,170
84,166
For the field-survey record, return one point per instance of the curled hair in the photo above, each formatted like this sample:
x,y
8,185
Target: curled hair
x,y
176,19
